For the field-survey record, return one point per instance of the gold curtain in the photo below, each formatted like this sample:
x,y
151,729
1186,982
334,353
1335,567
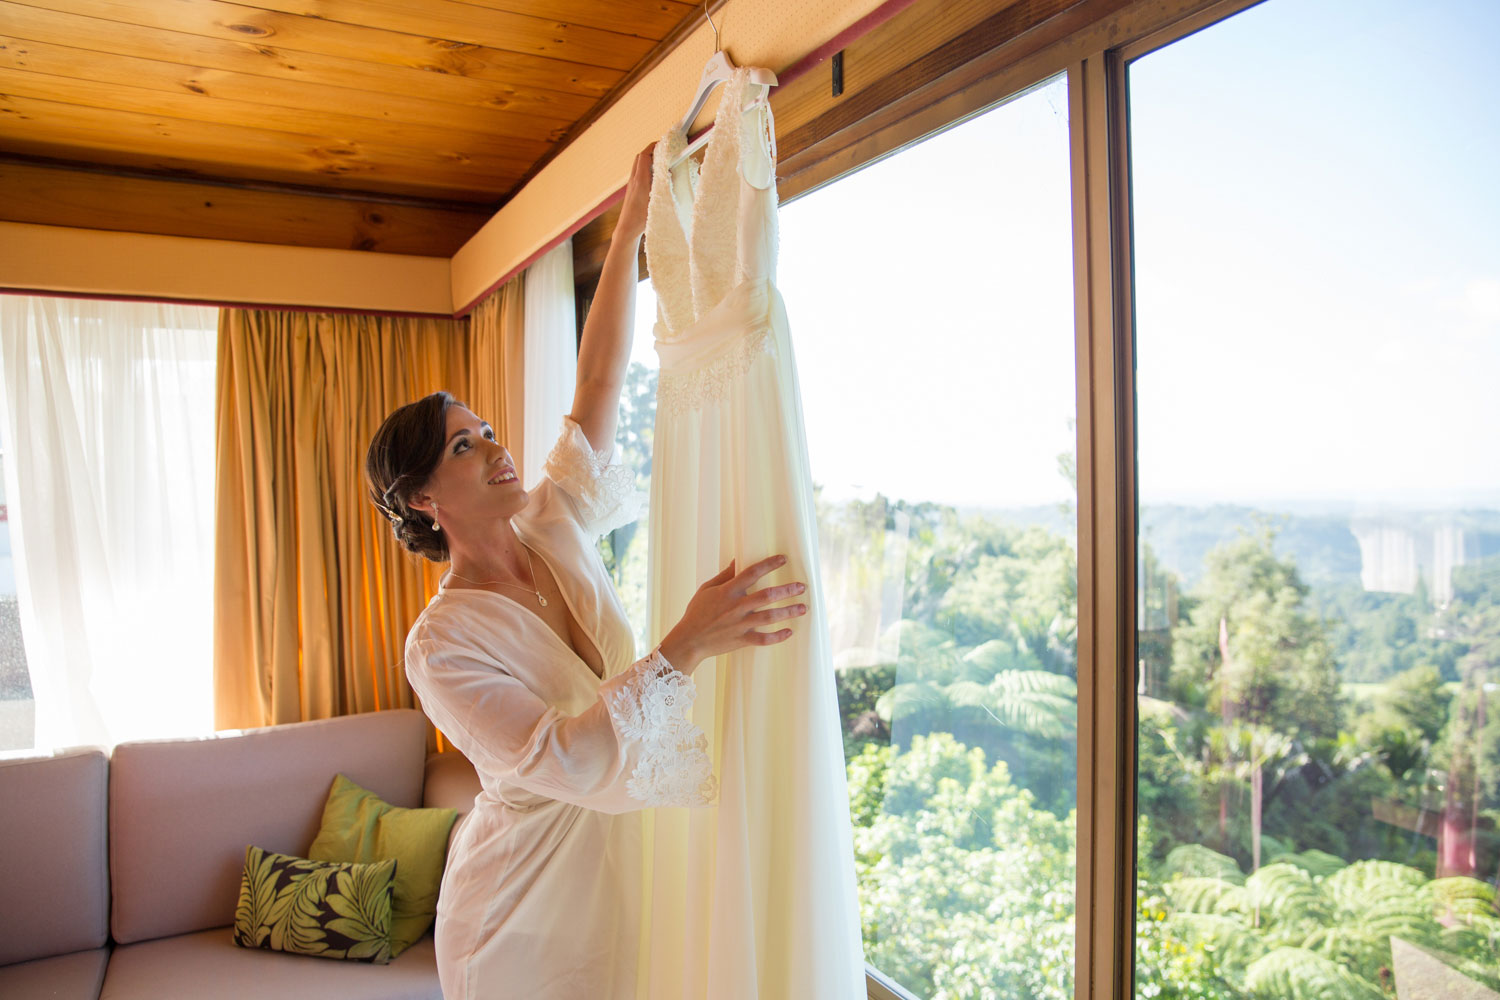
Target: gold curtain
x,y
313,595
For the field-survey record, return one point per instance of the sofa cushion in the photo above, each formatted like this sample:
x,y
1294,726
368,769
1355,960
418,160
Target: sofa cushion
x,y
359,825
76,976
182,811
54,873
185,966
326,909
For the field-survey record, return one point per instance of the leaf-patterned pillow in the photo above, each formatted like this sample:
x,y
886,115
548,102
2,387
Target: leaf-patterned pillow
x,y
326,908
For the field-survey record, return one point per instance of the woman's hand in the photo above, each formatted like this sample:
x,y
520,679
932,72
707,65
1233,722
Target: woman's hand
x,y
725,615
632,223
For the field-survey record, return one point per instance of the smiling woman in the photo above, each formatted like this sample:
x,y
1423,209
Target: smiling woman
x,y
571,734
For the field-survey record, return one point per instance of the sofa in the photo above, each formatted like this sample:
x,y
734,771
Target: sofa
x,y
120,871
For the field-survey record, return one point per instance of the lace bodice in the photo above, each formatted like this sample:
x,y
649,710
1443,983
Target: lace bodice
x,y
710,230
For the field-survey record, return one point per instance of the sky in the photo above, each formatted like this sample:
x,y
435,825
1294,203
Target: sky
x,y
1317,249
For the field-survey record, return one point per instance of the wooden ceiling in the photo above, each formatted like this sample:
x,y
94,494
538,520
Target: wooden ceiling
x,y
387,125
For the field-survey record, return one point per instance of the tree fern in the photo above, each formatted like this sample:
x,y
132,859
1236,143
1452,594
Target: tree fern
x,y
1191,860
1408,917
909,698
1035,701
1360,885
1285,894
1234,944
1460,897
1030,701
989,658
1318,864
1299,974
1351,946
1200,894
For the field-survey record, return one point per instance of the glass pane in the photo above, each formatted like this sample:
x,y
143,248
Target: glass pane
x,y
17,709
930,298
1318,303
624,549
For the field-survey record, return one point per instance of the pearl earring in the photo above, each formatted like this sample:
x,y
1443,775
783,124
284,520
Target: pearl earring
x,y
435,525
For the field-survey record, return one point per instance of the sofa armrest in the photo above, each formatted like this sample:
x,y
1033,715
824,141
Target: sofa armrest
x,y
450,782
54,868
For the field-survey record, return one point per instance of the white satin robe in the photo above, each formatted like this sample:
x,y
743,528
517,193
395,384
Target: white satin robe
x,y
541,895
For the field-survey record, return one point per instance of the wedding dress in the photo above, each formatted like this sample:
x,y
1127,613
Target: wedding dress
x,y
756,898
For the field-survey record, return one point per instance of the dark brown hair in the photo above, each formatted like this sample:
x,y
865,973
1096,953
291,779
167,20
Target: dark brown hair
x,y
400,460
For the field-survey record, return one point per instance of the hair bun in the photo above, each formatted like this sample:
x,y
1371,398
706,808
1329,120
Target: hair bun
x,y
416,534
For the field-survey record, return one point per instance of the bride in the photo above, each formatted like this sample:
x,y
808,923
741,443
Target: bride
x,y
525,662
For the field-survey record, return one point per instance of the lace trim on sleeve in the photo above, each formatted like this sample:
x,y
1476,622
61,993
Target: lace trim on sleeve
x,y
605,493
673,768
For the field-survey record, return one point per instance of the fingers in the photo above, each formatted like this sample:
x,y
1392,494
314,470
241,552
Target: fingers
x,y
779,593
759,570
770,615
723,576
767,638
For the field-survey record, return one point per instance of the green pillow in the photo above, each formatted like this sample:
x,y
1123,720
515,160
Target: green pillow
x,y
359,826
315,907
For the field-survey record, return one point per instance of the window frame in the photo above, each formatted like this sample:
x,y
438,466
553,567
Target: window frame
x,y
1012,49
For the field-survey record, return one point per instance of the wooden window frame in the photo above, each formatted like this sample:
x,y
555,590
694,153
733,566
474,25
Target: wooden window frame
x,y
1015,46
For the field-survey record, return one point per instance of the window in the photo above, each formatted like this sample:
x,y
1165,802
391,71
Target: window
x,y
624,549
930,298
1317,289
109,468
17,709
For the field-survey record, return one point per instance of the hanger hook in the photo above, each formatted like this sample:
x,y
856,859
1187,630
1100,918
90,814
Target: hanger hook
x,y
711,25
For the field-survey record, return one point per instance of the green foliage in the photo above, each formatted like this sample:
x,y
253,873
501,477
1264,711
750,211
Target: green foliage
x,y
1179,959
1191,860
859,688
1293,922
966,888
1376,636
1459,897
1281,672
1316,863
964,836
1299,974
942,692
1200,894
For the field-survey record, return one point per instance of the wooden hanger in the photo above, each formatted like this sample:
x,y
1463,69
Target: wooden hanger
x,y
717,70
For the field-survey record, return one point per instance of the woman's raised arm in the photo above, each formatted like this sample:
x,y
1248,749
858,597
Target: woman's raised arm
x,y
604,350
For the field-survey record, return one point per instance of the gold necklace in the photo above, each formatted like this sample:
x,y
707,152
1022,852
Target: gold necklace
x,y
501,583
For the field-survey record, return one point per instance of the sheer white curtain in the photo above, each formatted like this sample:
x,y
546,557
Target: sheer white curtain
x,y
551,364
109,439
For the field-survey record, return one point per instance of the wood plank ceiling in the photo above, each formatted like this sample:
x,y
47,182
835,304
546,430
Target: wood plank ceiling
x,y
386,125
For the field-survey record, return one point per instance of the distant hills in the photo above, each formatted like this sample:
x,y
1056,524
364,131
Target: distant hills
x,y
1326,543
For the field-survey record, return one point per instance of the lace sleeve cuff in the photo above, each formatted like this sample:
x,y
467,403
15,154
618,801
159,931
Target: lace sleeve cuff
x,y
605,493
673,768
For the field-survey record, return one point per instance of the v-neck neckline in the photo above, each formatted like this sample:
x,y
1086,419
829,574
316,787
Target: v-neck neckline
x,y
693,178
562,591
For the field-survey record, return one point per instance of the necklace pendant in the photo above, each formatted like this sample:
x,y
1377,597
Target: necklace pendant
x,y
541,600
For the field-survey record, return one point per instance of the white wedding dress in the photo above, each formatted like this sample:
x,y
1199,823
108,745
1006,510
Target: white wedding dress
x,y
756,898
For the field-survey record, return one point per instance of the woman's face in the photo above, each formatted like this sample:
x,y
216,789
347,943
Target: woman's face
x,y
475,481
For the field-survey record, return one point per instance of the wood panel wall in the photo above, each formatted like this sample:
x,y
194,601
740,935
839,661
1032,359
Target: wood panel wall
x,y
387,125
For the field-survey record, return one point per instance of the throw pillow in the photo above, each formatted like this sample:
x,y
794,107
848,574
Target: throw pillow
x,y
317,908
359,825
